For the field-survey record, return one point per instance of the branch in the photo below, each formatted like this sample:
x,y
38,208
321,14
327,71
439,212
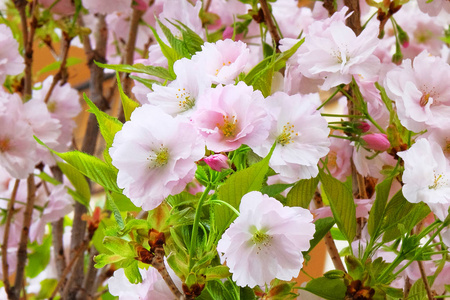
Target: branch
x,y
329,242
65,46
425,280
22,251
354,20
9,214
78,254
270,25
158,263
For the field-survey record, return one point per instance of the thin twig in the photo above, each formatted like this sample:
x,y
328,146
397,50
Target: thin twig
x,y
78,254
9,214
353,21
158,264
407,288
425,280
22,254
270,24
65,46
329,241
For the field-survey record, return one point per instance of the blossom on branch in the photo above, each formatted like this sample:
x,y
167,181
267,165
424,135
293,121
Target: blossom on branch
x,y
265,242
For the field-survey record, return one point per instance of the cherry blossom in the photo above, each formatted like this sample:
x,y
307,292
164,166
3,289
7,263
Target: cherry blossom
x,y
155,154
300,134
427,176
264,242
11,63
232,115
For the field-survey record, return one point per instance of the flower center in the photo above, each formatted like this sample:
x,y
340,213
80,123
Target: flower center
x,y
159,157
229,126
287,135
260,237
437,182
185,102
51,106
223,65
4,145
424,99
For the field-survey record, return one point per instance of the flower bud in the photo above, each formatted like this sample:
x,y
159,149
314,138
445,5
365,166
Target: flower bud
x,y
217,162
377,141
363,126
403,37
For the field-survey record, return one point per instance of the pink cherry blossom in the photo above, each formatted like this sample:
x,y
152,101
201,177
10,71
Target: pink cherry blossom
x,y
339,158
152,286
17,145
11,63
374,166
222,61
182,11
421,92
217,162
180,96
426,176
155,155
300,134
264,242
433,8
106,6
232,115
376,141
336,54
62,7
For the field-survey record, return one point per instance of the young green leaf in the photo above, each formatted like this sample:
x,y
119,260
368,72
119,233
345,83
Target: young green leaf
x,y
128,104
302,192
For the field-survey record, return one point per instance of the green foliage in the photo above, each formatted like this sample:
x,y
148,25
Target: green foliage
x,y
115,210
341,203
236,186
322,227
330,289
77,180
128,104
379,207
140,68
302,192
38,257
47,287
275,189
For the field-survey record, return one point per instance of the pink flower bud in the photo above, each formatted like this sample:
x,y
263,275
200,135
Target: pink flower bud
x,y
377,141
217,162
364,126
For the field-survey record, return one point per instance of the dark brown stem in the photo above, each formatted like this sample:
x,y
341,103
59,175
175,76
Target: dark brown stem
x,y
74,259
9,215
158,263
22,250
425,280
329,241
270,24
354,21
91,275
407,288
329,6
65,46
129,54
207,5
75,281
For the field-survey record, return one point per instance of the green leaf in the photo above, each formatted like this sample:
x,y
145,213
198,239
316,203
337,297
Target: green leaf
x,y
330,289
236,186
90,166
217,272
78,181
109,125
191,39
38,257
302,192
341,203
281,60
128,104
147,82
140,68
119,246
275,189
378,208
178,45
113,207
218,291
132,273
47,287
123,203
71,61
168,52
322,227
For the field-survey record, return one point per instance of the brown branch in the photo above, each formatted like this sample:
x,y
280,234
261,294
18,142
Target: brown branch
x,y
65,46
329,241
158,264
91,275
425,280
329,6
407,288
22,251
207,5
129,54
270,24
76,279
9,214
353,21
74,259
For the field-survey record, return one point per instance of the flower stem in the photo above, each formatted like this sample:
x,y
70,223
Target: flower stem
x,y
194,234
328,100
